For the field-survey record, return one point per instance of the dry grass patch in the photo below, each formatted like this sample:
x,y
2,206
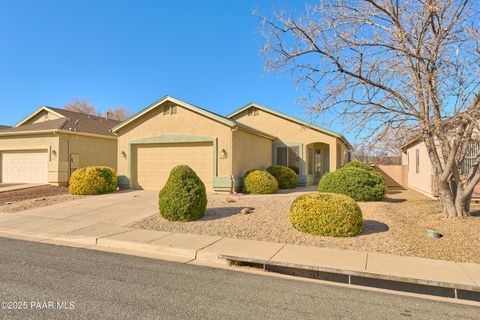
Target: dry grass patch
x,y
396,225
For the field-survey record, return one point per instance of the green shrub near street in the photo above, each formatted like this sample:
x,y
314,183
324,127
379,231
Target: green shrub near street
x,y
286,177
259,182
359,184
183,198
93,180
326,214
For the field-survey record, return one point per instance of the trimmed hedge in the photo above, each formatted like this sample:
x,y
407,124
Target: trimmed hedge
x,y
183,198
326,214
286,177
359,165
259,182
295,169
359,184
93,180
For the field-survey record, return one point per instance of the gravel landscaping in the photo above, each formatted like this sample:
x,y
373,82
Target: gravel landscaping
x,y
20,200
396,225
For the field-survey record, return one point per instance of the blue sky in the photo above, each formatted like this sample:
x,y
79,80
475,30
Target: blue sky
x,y
131,53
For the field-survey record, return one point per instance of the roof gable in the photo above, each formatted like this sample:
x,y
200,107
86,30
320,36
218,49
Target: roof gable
x,y
158,103
290,118
67,121
42,109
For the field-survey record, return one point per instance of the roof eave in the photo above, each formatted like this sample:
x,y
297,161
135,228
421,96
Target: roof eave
x,y
55,131
285,116
256,132
184,104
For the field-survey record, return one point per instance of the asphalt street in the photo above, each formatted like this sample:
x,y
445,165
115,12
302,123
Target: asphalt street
x,y
41,281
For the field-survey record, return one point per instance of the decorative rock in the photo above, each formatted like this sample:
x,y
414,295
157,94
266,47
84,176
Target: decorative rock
x,y
246,211
230,200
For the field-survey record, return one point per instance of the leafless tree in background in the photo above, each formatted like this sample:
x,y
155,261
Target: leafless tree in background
x,y
84,106
118,113
385,64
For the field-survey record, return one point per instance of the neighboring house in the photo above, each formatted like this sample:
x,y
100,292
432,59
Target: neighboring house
x,y
48,145
420,175
221,149
4,127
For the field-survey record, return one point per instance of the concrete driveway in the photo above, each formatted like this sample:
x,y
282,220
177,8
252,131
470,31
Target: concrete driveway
x,y
121,208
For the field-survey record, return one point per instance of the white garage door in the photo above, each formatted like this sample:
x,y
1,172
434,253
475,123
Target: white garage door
x,y
154,162
24,166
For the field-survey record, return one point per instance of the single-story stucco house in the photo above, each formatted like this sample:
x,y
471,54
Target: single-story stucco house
x,y
221,149
48,145
419,171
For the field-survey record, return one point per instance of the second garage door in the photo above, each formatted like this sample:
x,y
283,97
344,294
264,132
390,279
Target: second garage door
x,y
24,166
153,162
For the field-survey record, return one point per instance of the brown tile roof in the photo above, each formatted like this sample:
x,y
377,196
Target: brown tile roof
x,y
82,122
40,126
73,121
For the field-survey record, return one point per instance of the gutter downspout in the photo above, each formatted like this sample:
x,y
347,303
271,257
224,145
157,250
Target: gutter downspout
x,y
234,128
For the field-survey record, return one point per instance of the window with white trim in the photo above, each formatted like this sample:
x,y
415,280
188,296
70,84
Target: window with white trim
x,y
288,157
417,160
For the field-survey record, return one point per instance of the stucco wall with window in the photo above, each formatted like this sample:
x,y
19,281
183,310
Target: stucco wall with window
x,y
420,174
295,135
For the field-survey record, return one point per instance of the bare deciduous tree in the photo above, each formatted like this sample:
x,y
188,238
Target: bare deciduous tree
x,y
82,106
118,113
384,64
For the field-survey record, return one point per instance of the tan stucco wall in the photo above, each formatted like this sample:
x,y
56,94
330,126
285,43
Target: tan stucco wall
x,y
91,151
250,151
40,117
395,174
422,180
185,122
46,142
292,132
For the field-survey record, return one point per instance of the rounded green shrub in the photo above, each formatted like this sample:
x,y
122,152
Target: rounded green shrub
x,y
359,165
326,214
183,198
286,177
93,180
295,169
359,184
259,182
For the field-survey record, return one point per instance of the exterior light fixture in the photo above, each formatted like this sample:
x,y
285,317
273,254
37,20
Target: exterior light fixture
x,y
123,154
223,154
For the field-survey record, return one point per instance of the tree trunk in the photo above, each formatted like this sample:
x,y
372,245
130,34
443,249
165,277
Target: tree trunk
x,y
454,205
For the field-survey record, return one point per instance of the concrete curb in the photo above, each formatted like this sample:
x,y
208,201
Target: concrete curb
x,y
347,272
343,266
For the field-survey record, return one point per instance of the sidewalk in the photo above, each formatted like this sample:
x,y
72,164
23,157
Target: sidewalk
x,y
446,278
